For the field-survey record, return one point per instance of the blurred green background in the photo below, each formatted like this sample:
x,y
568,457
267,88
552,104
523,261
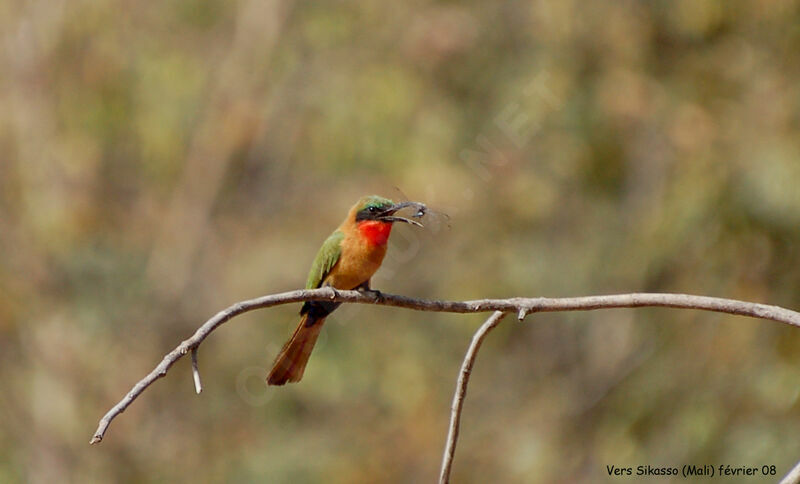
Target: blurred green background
x,y
159,161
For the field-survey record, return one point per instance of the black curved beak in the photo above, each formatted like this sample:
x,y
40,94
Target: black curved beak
x,y
388,215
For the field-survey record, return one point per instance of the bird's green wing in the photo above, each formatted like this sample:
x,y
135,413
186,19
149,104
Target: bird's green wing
x,y
326,258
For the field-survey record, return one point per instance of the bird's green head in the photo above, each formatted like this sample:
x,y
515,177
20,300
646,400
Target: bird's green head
x,y
373,207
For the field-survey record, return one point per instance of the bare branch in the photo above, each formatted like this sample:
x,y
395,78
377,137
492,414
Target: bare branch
x,y
461,393
515,305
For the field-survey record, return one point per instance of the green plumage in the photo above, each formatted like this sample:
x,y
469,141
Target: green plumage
x,y
326,258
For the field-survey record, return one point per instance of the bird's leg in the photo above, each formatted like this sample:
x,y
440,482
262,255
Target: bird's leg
x,y
364,288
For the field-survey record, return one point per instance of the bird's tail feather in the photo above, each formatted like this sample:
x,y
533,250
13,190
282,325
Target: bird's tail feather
x,y
291,361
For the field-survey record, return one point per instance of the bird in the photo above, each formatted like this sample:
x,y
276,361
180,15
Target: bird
x,y
347,260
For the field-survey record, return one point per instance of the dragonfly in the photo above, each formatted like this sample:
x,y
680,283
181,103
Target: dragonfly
x,y
416,213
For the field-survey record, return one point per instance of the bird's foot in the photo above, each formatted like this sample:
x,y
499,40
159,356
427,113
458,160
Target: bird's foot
x,y
376,294
334,292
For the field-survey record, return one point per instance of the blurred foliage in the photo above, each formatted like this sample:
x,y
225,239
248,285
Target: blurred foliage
x,y
160,161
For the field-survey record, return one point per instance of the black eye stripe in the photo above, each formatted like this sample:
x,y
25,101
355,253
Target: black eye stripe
x,y
371,212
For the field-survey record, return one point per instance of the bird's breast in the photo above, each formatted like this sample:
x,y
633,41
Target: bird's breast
x,y
359,260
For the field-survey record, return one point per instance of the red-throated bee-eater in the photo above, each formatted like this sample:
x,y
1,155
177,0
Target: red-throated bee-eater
x,y
347,260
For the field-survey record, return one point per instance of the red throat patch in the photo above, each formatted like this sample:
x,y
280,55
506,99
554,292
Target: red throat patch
x,y
375,231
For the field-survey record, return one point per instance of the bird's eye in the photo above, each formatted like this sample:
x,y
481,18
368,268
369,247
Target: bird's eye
x,y
373,209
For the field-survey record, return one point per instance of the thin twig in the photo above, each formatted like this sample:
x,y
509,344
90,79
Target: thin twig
x,y
530,305
198,386
793,477
461,393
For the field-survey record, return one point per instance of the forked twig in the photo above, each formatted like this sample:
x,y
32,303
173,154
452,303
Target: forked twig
x,y
519,306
